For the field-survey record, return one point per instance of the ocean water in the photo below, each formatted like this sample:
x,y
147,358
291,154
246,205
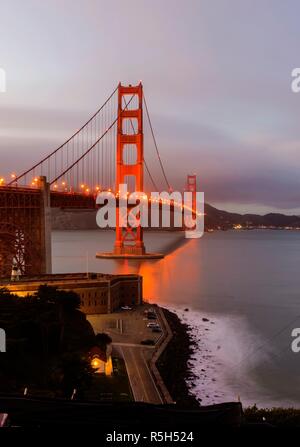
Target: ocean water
x,y
247,284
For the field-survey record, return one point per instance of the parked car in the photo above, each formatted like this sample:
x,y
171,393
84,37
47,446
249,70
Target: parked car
x,y
151,325
151,310
148,341
151,316
156,329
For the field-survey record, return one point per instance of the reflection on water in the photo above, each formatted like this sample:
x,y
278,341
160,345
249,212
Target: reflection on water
x,y
171,274
251,278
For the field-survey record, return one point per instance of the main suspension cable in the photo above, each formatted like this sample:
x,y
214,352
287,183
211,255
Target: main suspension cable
x,y
155,144
66,142
146,166
91,147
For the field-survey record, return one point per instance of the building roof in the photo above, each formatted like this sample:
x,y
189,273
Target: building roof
x,y
62,280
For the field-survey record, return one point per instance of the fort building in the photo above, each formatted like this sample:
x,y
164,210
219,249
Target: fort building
x,y
99,293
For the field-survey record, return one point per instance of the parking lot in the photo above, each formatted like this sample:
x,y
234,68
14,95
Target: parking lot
x,y
127,326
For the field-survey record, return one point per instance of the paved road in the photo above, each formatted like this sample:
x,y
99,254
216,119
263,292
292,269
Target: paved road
x,y
141,380
127,329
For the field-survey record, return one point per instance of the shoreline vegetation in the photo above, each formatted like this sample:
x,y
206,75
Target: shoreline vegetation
x,y
173,362
48,344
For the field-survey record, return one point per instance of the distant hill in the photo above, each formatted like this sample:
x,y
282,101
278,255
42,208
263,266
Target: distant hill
x,y
217,218
214,218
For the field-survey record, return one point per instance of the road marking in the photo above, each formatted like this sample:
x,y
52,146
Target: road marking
x,y
131,384
154,384
139,373
132,376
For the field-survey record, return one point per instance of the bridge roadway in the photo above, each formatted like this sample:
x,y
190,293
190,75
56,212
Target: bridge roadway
x,y
58,199
25,224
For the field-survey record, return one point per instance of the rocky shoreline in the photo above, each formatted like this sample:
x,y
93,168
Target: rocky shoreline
x,y
173,363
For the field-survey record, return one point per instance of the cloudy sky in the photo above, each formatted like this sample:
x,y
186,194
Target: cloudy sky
x,y
217,75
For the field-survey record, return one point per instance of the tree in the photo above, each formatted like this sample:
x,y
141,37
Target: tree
x,y
67,301
77,373
4,292
102,340
46,294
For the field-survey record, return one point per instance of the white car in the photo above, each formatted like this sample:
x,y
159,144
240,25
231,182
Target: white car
x,y
152,325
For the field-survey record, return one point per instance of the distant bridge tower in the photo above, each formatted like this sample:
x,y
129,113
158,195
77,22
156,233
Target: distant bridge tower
x,y
191,186
130,139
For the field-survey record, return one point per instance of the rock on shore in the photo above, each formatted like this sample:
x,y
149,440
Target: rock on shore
x,y
173,363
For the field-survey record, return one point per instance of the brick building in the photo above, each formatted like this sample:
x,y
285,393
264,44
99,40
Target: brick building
x,y
99,293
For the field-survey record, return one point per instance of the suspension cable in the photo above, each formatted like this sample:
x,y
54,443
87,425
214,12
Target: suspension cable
x,y
67,141
146,166
150,175
91,147
155,144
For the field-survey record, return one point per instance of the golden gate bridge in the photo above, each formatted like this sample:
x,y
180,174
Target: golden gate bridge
x,y
108,150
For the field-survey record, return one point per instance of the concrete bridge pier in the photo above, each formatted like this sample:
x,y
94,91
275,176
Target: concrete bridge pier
x,y
46,248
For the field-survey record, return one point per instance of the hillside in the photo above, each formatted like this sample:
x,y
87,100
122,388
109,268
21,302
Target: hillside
x,y
214,218
217,218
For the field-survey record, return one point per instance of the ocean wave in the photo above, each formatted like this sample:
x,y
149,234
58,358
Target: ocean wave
x,y
225,358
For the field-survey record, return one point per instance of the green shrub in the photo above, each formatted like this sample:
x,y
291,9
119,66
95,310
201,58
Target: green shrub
x,y
277,416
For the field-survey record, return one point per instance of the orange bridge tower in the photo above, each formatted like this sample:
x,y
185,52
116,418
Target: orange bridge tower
x,y
130,163
191,186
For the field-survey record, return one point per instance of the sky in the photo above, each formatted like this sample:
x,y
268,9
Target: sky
x,y
216,74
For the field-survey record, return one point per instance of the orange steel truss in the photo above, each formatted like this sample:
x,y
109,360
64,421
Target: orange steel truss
x,y
129,240
21,237
23,229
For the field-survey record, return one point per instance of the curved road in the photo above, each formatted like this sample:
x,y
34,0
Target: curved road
x,y
141,381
